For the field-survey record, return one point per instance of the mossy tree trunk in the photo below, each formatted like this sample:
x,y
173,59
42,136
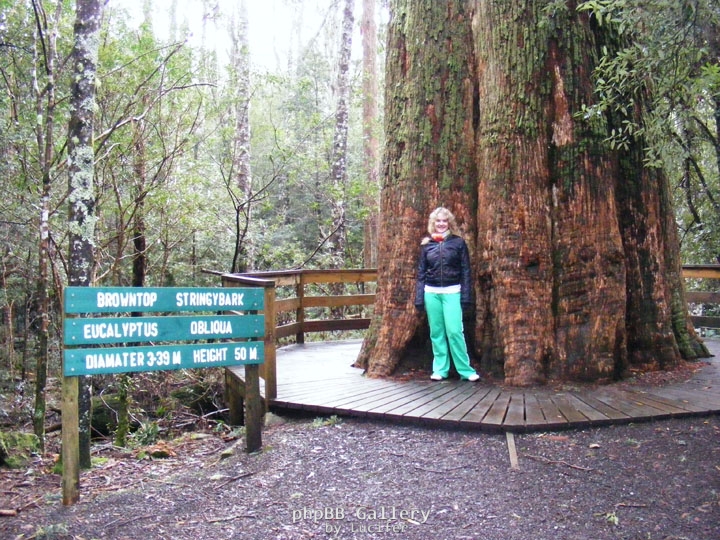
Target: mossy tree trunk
x,y
430,119
573,241
81,173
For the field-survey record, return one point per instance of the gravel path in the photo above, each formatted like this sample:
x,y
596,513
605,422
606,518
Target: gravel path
x,y
352,479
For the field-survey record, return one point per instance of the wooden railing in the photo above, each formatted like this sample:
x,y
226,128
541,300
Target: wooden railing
x,y
288,302
703,298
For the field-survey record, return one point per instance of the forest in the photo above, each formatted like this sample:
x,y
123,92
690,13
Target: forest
x,y
206,160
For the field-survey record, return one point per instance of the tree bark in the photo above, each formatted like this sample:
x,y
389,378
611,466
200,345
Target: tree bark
x,y
573,242
338,165
46,41
371,143
430,114
81,171
243,258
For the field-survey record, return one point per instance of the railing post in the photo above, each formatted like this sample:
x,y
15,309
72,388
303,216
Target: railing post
x,y
269,369
300,312
254,406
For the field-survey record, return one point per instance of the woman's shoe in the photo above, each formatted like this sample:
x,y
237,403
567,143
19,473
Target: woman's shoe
x,y
474,377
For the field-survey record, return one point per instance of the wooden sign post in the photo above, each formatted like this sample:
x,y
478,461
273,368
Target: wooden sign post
x,y
99,345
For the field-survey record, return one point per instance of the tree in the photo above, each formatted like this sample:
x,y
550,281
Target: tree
x,y
81,171
371,143
339,155
240,185
575,251
47,30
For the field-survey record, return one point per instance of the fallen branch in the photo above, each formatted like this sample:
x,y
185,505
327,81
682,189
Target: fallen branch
x,y
631,505
238,477
228,518
34,502
558,462
417,467
118,523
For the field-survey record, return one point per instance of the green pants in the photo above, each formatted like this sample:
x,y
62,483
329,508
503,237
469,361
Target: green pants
x,y
446,327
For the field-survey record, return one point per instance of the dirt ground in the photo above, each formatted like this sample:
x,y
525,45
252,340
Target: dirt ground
x,y
346,478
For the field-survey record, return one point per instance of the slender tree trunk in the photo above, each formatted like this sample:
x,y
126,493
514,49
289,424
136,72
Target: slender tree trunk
x,y
7,332
139,238
573,241
338,168
243,259
371,143
45,108
81,171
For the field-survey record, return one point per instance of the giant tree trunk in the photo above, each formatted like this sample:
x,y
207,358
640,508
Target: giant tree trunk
x,y
573,242
430,114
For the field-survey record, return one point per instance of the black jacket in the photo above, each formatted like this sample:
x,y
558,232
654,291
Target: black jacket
x,y
443,264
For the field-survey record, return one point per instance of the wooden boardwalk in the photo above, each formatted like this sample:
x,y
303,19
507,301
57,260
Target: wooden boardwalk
x,y
318,378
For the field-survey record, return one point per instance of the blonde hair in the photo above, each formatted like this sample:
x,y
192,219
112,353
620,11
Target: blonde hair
x,y
452,225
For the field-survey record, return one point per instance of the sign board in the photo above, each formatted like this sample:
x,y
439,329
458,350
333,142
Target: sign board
x,y
169,341
157,358
98,345
161,299
169,328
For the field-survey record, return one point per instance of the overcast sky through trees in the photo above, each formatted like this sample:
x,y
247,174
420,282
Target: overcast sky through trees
x,y
270,25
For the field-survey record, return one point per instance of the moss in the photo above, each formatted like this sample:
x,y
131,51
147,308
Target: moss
x,y
16,448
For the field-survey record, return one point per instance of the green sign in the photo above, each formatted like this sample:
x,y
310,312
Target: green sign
x,y
133,359
87,331
161,334
161,299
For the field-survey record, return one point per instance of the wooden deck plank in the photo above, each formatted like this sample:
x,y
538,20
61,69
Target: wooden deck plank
x,y
378,394
478,411
433,391
706,401
299,391
533,412
624,402
450,401
571,413
553,417
671,407
319,377
591,413
400,396
613,415
515,416
457,413
690,407
498,410
316,388
447,402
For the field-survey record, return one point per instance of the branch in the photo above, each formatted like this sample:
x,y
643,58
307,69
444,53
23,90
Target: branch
x,y
558,462
306,261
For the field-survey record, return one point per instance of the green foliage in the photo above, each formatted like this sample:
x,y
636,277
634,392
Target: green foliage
x,y
333,420
147,434
667,64
52,531
164,170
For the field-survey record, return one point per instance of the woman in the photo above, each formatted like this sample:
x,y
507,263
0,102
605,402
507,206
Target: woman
x,y
444,290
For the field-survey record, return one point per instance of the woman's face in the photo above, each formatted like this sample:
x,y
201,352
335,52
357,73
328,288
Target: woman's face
x,y
441,224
